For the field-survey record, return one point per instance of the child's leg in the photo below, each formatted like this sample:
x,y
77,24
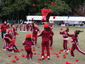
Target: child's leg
x,y
47,48
11,50
27,54
35,39
5,44
72,50
51,39
27,29
31,53
78,48
24,29
20,29
43,47
64,44
2,35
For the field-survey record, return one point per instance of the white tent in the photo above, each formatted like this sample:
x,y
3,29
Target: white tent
x,y
58,18
34,17
66,18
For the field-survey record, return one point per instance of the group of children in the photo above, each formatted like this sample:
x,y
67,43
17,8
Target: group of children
x,y
74,41
47,40
32,39
25,28
9,39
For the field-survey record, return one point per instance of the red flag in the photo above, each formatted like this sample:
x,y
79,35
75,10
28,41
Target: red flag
x,y
45,12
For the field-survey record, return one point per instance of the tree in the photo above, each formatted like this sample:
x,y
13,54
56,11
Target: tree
x,y
74,4
80,11
59,8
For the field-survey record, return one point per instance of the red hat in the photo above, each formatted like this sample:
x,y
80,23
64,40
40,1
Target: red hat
x,y
46,25
75,32
67,29
13,40
13,25
9,30
28,36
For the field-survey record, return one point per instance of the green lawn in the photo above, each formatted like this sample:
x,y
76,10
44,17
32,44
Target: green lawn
x,y
57,45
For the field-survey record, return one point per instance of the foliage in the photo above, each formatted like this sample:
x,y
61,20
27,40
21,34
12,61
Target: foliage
x,y
19,9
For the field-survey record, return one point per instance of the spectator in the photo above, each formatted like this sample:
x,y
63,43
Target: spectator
x,y
4,27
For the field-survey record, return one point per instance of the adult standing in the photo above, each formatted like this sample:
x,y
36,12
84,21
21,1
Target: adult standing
x,y
4,27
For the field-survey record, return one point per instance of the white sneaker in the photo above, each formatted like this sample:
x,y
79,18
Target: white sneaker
x,y
4,49
42,57
67,51
12,51
31,59
48,57
64,51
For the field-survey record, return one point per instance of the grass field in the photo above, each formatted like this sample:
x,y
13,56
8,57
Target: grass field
x,y
57,45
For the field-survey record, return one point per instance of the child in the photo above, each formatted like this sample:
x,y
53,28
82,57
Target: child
x,y
46,33
30,27
28,46
27,27
24,26
75,43
65,39
16,27
35,31
6,38
4,27
14,33
20,27
51,37
11,47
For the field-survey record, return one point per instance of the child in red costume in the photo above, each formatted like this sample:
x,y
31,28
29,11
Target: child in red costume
x,y
35,31
20,27
12,46
30,27
51,37
14,33
46,33
4,27
24,26
6,38
65,39
28,46
75,43
27,27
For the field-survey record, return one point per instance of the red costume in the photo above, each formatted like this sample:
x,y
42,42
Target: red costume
x,y
27,27
12,46
20,27
4,27
28,45
6,39
51,37
65,40
75,45
30,27
46,33
14,32
35,31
